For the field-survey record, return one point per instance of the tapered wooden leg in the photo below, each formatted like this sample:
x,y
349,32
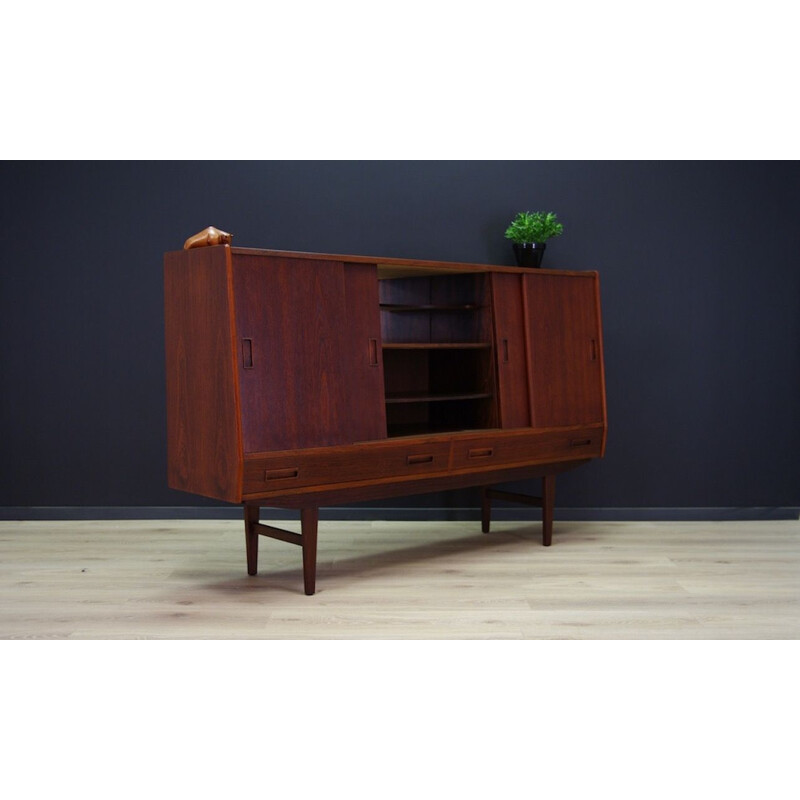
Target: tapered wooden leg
x,y
548,501
486,509
309,522
251,537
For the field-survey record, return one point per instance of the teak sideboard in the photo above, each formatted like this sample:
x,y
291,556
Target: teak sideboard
x,y
298,380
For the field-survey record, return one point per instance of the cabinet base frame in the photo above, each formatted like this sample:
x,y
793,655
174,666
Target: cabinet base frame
x,y
309,525
307,539
545,502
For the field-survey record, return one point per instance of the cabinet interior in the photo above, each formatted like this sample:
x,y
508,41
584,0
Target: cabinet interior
x,y
438,357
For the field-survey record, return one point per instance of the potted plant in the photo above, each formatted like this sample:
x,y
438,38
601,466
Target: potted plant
x,y
529,231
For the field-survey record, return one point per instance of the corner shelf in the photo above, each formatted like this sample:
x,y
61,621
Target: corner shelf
x,y
436,345
403,307
426,397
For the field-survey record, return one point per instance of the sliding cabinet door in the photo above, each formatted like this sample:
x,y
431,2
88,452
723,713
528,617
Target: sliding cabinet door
x,y
565,349
309,363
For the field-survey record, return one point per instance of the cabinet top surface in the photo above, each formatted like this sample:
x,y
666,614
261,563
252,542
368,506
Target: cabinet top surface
x,y
389,267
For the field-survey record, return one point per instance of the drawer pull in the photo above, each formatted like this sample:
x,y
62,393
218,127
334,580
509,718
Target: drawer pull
x,y
277,474
424,459
579,442
480,452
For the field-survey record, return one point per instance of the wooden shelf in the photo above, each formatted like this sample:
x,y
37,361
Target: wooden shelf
x,y
436,345
425,397
401,430
400,307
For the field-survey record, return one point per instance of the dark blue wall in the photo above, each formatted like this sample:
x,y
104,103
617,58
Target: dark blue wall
x,y
700,280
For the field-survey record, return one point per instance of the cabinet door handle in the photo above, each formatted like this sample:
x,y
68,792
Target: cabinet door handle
x,y
373,352
504,349
579,442
480,452
247,353
593,350
423,459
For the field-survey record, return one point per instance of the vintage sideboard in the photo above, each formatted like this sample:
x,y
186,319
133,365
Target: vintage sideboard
x,y
299,380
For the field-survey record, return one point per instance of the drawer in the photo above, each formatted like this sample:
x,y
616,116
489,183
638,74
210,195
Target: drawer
x,y
330,465
527,447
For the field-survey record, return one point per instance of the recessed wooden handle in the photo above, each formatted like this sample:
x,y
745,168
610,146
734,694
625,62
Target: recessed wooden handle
x,y
277,474
480,452
373,352
579,442
504,350
247,353
593,350
422,459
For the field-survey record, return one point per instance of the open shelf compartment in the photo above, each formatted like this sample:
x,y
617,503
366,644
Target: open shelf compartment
x,y
438,358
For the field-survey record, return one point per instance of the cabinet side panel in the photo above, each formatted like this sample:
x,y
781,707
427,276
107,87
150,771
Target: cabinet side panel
x,y
510,350
601,357
203,442
361,355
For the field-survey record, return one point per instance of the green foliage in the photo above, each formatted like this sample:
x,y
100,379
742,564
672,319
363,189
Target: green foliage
x,y
534,226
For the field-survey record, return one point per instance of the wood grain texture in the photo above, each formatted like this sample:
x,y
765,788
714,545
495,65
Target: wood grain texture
x,y
361,368
391,580
433,458
400,267
318,466
601,357
292,395
565,349
398,486
508,313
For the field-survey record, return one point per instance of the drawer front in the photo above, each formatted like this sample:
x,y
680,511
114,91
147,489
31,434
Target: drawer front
x,y
324,466
527,447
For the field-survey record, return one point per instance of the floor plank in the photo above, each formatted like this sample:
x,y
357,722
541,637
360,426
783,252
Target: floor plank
x,y
155,579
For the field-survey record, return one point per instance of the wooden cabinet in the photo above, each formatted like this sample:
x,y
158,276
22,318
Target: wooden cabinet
x,y
298,379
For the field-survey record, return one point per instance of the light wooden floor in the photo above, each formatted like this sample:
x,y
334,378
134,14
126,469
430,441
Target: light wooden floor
x,y
402,580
